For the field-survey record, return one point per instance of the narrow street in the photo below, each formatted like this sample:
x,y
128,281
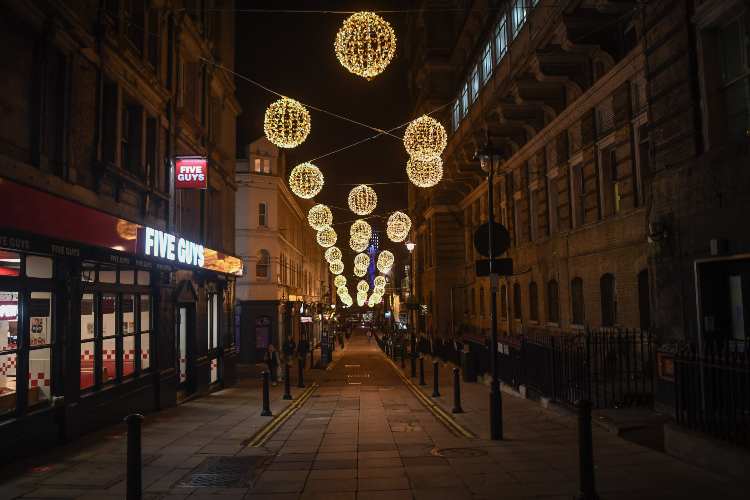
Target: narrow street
x,y
362,433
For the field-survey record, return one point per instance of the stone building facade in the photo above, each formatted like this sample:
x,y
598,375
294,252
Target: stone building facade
x,y
619,179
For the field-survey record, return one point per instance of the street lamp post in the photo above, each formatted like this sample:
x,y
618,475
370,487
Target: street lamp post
x,y
412,339
487,160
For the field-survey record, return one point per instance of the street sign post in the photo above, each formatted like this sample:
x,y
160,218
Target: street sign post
x,y
502,267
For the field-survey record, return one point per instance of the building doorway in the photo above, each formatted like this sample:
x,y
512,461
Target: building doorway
x,y
185,332
723,300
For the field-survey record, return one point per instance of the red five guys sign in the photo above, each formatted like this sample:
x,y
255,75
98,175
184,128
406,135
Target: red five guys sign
x,y
191,172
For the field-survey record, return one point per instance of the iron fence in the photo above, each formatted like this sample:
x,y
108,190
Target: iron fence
x,y
712,391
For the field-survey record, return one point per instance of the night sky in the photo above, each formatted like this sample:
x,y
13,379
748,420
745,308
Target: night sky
x,y
293,54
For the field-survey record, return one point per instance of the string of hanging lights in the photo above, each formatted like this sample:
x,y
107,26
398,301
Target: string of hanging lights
x,y
306,180
398,227
425,173
336,267
365,44
385,261
340,281
379,281
358,245
362,260
332,254
287,123
361,230
359,272
319,216
425,138
363,286
326,237
362,199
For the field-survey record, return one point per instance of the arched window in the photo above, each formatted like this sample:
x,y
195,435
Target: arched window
x,y
517,301
533,302
576,301
481,301
503,301
553,302
261,267
608,295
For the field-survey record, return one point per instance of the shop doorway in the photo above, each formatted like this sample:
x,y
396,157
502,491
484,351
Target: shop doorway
x,y
724,300
185,332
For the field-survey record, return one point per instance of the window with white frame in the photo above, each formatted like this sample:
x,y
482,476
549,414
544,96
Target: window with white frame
x,y
456,115
475,83
518,15
465,98
486,62
501,38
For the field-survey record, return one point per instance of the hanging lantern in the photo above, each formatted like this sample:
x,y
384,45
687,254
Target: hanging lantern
x,y
385,261
379,281
358,245
398,226
319,216
306,180
326,237
340,281
287,123
359,272
332,254
362,260
365,44
424,173
425,138
362,199
336,267
363,286
361,230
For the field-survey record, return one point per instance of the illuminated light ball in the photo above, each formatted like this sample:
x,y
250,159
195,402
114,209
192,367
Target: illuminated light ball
x,y
319,216
363,286
287,123
361,230
326,237
398,226
340,281
365,44
361,300
359,272
342,290
332,254
425,173
336,267
306,180
362,199
425,138
362,260
379,291
358,245
385,261
379,281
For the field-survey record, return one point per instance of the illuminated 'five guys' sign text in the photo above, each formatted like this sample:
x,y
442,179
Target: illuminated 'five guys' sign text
x,y
167,246
191,173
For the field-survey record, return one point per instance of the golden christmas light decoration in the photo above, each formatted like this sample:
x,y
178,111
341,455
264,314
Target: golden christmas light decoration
x,y
359,272
398,227
336,267
363,286
425,138
347,300
362,260
306,180
358,245
379,281
376,297
361,230
319,216
361,299
385,261
362,199
365,44
339,281
326,237
287,123
332,254
425,173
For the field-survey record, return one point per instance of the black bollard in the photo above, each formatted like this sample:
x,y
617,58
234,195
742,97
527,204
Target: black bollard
x,y
266,395
585,452
421,371
435,375
457,391
135,466
301,373
287,383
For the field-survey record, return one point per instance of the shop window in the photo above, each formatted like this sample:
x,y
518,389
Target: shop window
x,y
38,267
88,272
108,310
576,299
144,278
608,294
533,302
517,314
145,326
88,345
129,354
10,263
127,276
40,348
553,302
107,275
8,350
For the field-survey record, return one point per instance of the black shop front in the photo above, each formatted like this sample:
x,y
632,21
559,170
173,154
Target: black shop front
x,y
101,317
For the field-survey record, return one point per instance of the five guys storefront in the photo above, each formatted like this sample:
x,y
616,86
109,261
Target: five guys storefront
x,y
101,317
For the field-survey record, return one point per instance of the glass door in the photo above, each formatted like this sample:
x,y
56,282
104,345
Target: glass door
x,y
185,328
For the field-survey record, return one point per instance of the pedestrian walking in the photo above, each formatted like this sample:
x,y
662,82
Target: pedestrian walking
x,y
272,361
